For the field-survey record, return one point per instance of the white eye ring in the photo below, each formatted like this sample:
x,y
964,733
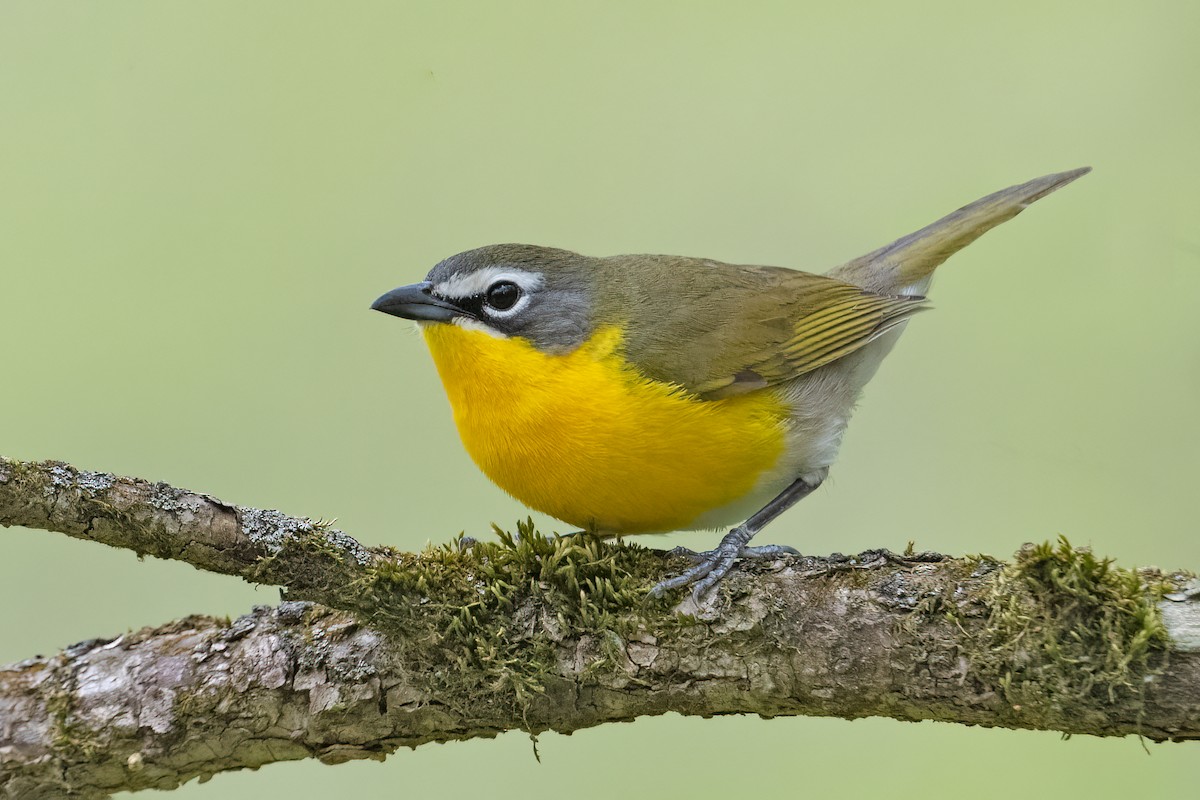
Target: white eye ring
x,y
519,303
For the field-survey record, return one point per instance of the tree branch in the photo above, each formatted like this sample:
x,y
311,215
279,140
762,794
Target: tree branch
x,y
537,634
314,561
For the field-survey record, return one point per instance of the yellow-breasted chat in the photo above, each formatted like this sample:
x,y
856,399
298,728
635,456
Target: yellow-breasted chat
x,y
651,393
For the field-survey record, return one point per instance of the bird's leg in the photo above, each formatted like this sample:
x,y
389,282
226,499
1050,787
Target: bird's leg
x,y
716,563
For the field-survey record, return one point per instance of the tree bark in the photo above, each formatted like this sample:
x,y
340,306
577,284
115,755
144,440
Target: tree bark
x,y
473,639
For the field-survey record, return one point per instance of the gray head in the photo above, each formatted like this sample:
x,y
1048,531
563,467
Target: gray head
x,y
538,293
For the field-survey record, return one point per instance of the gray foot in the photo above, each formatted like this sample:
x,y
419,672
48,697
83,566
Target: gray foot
x,y
713,565
762,551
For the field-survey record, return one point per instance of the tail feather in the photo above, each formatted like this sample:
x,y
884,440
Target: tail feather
x,y
905,265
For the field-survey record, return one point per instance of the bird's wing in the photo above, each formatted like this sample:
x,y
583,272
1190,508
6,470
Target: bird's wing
x,y
735,329
837,319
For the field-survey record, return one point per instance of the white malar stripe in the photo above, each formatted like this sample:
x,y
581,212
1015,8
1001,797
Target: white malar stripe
x,y
468,324
470,284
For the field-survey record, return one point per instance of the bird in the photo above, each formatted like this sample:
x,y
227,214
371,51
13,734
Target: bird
x,y
635,394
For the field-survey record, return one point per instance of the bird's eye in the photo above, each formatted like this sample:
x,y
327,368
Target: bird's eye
x,y
503,295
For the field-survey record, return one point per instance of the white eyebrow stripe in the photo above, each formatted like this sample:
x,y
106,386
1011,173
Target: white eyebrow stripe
x,y
470,284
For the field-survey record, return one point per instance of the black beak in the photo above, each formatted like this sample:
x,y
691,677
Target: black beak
x,y
416,302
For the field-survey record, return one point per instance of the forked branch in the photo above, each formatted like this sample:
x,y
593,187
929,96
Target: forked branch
x,y
536,634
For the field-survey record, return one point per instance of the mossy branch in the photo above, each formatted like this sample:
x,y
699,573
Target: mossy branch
x,y
469,640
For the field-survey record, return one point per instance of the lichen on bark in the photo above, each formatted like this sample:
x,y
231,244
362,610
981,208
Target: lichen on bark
x,y
468,639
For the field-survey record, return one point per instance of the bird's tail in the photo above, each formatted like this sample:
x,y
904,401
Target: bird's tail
x,y
906,265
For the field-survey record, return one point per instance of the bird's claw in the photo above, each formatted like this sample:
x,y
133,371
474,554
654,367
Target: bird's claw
x,y
762,551
713,565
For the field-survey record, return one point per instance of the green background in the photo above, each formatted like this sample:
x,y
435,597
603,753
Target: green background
x,y
198,201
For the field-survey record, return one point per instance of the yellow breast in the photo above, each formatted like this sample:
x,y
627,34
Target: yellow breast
x,y
585,438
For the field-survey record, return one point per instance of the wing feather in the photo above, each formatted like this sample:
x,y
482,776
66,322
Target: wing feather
x,y
718,330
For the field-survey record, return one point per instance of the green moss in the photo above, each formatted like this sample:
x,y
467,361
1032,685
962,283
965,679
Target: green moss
x,y
485,618
190,703
1065,627
68,735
